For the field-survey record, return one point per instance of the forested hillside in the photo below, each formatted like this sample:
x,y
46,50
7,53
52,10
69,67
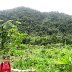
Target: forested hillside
x,y
36,40
39,23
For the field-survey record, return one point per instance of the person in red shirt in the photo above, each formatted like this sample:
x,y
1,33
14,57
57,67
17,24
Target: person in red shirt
x,y
5,65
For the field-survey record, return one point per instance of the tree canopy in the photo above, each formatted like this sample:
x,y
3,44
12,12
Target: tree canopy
x,y
39,23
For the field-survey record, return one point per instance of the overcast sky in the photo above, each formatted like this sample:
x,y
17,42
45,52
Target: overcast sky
x,y
64,6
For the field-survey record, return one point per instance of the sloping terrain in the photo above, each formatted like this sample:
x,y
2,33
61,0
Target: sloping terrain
x,y
35,22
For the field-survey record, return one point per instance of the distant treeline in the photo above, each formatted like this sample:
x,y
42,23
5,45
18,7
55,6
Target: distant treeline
x,y
50,39
38,23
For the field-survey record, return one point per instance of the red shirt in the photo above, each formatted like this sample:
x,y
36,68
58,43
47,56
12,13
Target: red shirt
x,y
5,67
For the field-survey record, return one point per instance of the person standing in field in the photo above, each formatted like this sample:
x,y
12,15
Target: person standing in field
x,y
5,65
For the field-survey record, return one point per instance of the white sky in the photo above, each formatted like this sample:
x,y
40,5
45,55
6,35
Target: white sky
x,y
64,6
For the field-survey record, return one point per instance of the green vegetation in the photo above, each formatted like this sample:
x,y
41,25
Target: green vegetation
x,y
35,40
37,23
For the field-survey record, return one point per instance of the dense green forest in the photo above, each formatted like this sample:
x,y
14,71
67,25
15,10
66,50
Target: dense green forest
x,y
38,23
36,40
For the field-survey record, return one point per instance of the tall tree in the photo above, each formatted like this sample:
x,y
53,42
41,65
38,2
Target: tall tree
x,y
9,34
